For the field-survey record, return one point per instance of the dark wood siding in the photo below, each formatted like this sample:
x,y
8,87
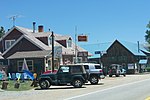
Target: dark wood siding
x,y
38,65
13,35
62,42
1,46
43,39
22,45
118,54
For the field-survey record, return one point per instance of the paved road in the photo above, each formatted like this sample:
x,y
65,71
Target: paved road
x,y
132,85
132,91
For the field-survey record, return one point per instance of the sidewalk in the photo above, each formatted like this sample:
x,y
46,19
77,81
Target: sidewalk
x,y
142,73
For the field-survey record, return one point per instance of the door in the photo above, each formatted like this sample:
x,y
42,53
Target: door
x,y
63,75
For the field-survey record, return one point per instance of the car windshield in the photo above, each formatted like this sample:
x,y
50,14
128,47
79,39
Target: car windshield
x,y
64,69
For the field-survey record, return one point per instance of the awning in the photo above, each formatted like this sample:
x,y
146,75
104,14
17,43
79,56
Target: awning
x,y
143,61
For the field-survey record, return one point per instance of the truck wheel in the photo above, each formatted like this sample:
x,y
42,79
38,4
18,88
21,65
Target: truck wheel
x,y
110,75
117,75
94,80
77,83
44,84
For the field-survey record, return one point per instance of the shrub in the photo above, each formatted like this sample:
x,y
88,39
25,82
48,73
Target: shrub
x,y
148,69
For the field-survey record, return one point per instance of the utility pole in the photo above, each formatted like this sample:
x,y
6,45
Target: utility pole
x,y
75,45
52,51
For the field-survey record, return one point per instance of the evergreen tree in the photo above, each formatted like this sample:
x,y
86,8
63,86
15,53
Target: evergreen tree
x,y
2,31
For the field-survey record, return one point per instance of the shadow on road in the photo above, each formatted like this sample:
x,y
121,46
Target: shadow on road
x,y
57,88
95,84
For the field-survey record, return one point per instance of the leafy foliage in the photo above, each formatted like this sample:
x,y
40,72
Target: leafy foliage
x,y
147,36
2,31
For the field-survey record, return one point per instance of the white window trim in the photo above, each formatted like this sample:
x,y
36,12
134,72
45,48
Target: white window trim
x,y
49,40
68,44
21,65
10,44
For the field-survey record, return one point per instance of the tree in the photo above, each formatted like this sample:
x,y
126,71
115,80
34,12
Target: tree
x,y
2,31
147,36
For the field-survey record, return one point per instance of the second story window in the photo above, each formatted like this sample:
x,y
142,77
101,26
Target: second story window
x,y
69,43
50,41
9,43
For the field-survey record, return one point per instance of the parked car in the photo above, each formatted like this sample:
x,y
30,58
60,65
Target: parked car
x,y
95,72
50,71
117,70
67,74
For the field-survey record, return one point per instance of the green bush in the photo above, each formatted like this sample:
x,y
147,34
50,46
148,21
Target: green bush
x,y
148,69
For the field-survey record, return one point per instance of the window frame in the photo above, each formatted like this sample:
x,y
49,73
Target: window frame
x,y
1,63
79,59
11,42
20,66
69,43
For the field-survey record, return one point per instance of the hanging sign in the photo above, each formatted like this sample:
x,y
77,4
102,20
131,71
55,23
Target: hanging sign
x,y
82,38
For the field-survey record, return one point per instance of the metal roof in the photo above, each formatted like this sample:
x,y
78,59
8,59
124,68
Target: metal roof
x,y
32,37
92,48
132,47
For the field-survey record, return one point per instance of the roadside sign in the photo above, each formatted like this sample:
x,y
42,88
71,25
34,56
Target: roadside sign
x,y
57,52
82,38
97,52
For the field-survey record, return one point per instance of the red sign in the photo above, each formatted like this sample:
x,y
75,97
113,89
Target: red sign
x,y
82,38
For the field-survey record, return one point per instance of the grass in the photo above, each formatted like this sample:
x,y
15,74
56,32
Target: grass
x,y
22,87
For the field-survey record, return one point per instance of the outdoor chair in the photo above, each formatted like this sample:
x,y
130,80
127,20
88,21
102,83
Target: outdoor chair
x,y
22,76
9,76
25,76
18,76
1,76
13,76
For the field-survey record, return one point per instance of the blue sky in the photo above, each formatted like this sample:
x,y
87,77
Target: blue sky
x,y
102,20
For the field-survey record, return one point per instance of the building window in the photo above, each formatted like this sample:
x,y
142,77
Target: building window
x,y
1,63
49,41
79,59
29,64
69,43
9,43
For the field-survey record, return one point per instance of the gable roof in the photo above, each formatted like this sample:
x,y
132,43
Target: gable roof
x,y
32,37
92,48
32,40
21,29
103,47
133,48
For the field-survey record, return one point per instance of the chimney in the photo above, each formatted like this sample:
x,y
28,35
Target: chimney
x,y
40,28
34,27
